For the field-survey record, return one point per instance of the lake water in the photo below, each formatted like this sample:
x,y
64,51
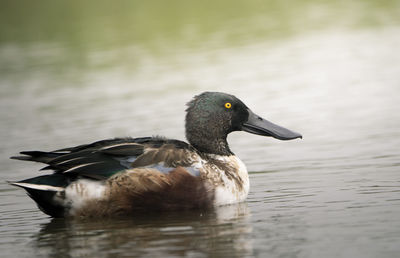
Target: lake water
x,y
74,72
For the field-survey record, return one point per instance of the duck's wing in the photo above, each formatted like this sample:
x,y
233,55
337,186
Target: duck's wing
x,y
102,159
159,171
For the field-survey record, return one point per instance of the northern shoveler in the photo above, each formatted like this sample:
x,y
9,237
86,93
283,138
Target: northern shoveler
x,y
124,176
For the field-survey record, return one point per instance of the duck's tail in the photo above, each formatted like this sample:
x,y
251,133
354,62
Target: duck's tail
x,y
44,190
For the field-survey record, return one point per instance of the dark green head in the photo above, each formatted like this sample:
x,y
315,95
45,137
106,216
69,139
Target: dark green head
x,y
211,116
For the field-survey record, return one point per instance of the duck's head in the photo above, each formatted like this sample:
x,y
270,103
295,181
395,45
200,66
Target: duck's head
x,y
211,116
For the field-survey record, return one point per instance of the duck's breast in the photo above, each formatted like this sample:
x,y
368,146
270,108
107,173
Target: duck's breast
x,y
229,177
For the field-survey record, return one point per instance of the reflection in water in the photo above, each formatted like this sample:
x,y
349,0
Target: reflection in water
x,y
225,230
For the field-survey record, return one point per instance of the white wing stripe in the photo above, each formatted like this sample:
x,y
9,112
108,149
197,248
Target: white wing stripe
x,y
80,166
39,187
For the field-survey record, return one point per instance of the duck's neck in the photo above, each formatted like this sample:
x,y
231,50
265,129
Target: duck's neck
x,y
210,145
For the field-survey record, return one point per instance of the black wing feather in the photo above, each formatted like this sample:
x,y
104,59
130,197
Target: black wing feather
x,y
126,149
100,159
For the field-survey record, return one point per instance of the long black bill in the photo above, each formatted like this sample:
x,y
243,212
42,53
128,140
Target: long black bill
x,y
258,125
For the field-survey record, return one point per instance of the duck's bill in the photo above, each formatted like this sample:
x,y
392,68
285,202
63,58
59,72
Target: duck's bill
x,y
258,125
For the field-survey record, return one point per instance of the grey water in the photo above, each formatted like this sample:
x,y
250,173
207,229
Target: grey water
x,y
76,72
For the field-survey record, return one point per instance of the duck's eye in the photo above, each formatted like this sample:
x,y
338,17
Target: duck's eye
x,y
228,105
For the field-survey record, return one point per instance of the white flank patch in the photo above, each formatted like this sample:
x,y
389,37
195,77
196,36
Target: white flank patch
x,y
81,191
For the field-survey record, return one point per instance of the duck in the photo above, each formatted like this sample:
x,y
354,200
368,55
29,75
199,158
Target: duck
x,y
128,176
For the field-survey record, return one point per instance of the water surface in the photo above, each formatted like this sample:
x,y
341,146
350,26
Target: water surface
x,y
74,73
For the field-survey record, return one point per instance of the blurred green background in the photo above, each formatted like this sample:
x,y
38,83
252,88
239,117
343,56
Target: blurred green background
x,y
57,34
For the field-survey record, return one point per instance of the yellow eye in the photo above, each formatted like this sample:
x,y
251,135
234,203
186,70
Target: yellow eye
x,y
228,105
